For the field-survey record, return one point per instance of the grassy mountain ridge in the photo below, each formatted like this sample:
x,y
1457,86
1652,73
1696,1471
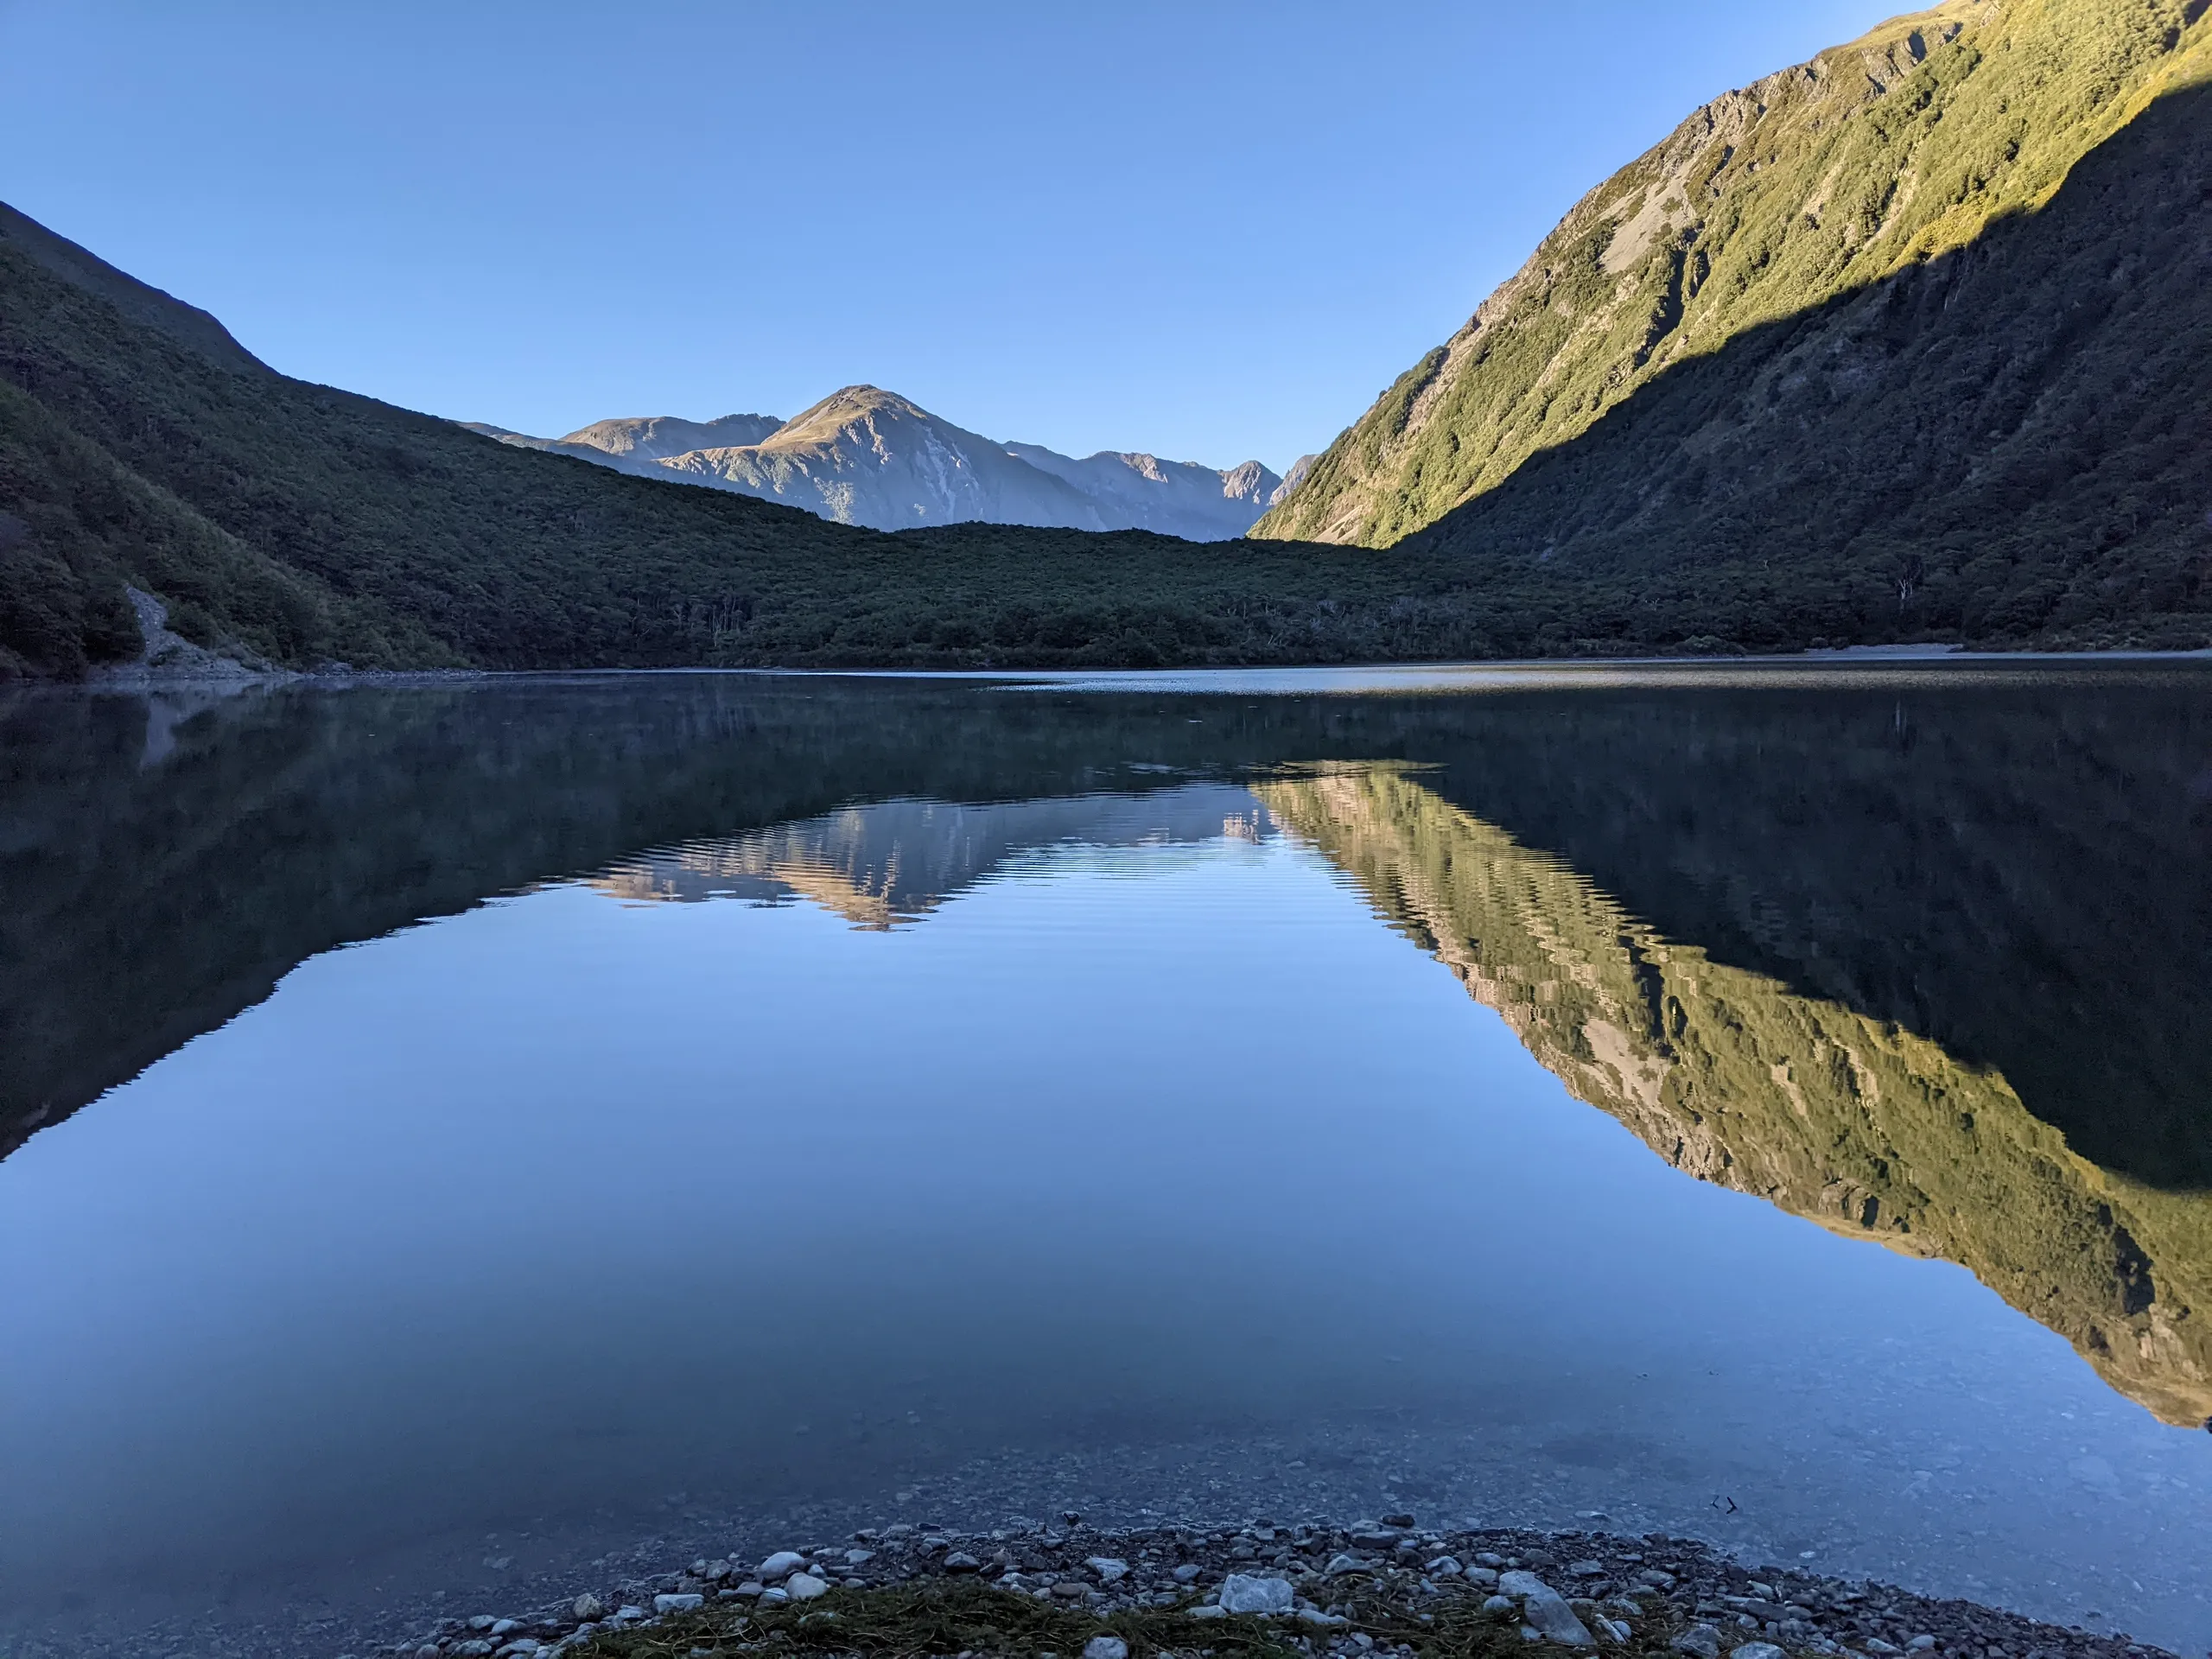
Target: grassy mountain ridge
x,y
1872,1131
1899,343
1765,203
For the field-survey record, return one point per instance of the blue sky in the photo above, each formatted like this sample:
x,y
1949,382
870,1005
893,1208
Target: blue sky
x,y
1209,231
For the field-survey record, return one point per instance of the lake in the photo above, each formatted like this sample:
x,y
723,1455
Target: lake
x,y
466,1136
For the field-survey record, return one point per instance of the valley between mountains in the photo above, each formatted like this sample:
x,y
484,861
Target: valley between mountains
x,y
1906,343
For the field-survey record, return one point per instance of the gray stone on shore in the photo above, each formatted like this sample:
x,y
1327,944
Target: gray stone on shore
x,y
1105,1647
1760,1650
804,1587
1187,1573
1109,1569
588,1606
676,1604
1240,1594
961,1561
1546,1610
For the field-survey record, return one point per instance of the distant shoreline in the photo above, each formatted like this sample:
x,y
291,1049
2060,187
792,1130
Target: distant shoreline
x,y
136,679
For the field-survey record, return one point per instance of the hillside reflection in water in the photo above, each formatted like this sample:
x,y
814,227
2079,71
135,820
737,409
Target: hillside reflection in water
x,y
1138,1167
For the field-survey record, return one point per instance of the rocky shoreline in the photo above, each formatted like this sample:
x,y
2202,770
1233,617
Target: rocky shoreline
x,y
1390,1587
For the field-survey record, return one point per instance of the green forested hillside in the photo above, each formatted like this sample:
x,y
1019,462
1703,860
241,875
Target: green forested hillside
x,y
1905,342
301,523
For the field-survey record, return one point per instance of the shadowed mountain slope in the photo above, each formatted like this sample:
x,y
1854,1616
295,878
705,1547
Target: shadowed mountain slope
x,y
139,302
1902,343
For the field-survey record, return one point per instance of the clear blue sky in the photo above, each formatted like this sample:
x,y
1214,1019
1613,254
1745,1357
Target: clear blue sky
x,y
1210,230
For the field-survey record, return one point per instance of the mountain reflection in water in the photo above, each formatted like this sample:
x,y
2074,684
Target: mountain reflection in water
x,y
879,866
1847,1121
1918,953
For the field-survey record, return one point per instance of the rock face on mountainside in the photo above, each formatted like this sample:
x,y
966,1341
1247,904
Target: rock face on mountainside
x,y
1961,258
1847,1120
869,457
1293,478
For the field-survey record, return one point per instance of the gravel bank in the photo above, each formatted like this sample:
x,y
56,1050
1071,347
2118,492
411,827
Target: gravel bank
x,y
1388,1586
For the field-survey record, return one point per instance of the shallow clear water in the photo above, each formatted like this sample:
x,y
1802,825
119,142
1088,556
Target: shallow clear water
x,y
810,1100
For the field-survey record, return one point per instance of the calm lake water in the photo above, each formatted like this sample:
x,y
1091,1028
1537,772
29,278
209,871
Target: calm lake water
x,y
464,1141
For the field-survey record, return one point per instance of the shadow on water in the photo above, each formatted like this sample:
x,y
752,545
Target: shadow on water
x,y
1919,954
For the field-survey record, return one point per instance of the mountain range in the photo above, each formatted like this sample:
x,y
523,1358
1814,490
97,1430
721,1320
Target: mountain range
x,y
1905,343
867,456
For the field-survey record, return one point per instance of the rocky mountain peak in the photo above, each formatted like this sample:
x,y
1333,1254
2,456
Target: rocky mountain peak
x,y
865,455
